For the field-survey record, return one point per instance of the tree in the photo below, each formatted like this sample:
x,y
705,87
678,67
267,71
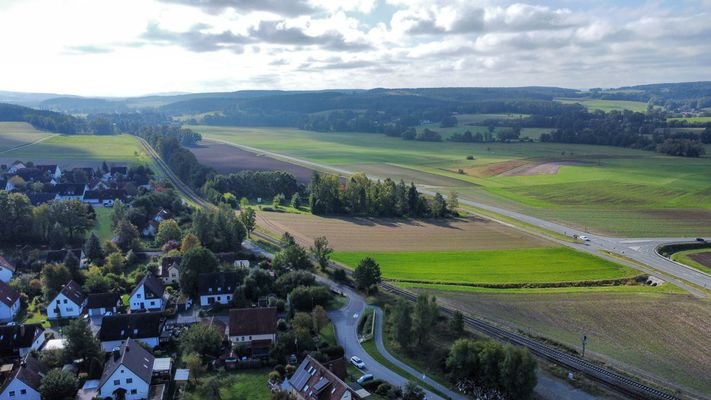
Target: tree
x,y
193,362
306,298
93,250
243,203
72,263
57,236
279,200
367,274
248,217
439,206
168,230
425,317
119,213
463,359
319,317
73,216
201,339
58,385
203,226
53,277
194,262
81,343
287,282
96,281
115,263
518,373
412,392
456,324
296,201
126,236
453,201
190,241
402,323
321,252
292,257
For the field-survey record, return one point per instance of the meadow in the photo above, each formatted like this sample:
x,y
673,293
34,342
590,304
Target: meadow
x,y
607,105
15,134
491,267
692,120
603,189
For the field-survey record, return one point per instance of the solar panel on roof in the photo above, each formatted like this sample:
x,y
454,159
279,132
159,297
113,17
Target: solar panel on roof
x,y
321,384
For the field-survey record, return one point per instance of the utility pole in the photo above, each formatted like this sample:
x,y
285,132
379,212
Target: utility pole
x,y
585,342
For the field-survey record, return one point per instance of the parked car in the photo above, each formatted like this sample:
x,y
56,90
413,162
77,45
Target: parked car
x,y
357,362
108,203
700,240
365,378
584,238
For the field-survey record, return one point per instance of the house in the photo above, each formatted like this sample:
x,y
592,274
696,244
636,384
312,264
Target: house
x,y
9,302
169,270
148,295
98,304
58,256
127,374
24,382
121,170
217,287
313,381
162,215
68,303
116,329
50,170
18,340
7,269
16,166
70,191
253,327
37,198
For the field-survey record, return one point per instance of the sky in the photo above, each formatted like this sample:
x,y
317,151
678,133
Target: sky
x,y
137,47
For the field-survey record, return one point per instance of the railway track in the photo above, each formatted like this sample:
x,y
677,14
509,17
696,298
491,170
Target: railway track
x,y
608,377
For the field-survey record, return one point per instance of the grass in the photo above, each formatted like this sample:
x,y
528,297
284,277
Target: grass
x,y
607,105
250,385
14,134
666,288
684,258
692,120
492,267
103,224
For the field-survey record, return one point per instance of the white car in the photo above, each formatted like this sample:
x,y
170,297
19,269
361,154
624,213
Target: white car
x,y
357,362
365,378
584,238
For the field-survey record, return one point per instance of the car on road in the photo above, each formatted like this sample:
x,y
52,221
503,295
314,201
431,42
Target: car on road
x,y
357,362
700,239
584,238
365,378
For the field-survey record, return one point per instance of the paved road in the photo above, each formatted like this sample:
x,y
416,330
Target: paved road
x,y
640,250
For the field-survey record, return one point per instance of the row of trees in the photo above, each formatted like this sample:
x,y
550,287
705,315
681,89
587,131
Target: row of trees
x,y
250,184
362,196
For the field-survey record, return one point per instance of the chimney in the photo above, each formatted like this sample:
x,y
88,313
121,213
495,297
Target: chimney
x,y
117,353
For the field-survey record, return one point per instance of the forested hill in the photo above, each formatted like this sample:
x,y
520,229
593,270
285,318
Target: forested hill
x,y
41,119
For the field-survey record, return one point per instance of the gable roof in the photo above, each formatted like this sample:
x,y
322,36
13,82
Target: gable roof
x,y
153,287
8,295
253,321
69,189
102,300
73,292
219,282
132,356
314,381
215,323
15,337
31,372
6,264
136,326
166,263
37,198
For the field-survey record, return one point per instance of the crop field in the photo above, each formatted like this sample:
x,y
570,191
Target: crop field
x,y
699,259
607,105
603,189
347,234
666,335
226,159
15,134
484,267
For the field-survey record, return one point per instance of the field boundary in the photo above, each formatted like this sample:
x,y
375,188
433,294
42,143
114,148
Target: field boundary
x,y
636,280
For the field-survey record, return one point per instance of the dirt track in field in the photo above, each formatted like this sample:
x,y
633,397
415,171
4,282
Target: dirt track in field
x,y
386,234
227,159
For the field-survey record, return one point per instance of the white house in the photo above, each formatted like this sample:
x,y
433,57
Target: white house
x,y
169,270
19,340
116,329
9,302
52,170
70,191
68,303
249,325
127,374
217,287
16,166
25,381
98,304
7,269
148,295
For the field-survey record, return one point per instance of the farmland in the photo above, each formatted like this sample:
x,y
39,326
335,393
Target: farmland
x,y
14,134
666,335
699,259
607,105
603,189
491,267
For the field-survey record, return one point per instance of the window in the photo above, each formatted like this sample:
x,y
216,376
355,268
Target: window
x,y
138,296
23,391
65,301
153,303
129,380
58,302
12,393
69,309
117,382
134,391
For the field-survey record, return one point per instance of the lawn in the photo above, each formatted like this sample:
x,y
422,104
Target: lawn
x,y
693,259
103,223
250,385
609,190
491,267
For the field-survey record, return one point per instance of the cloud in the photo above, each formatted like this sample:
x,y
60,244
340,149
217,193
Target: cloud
x,y
195,39
280,7
87,49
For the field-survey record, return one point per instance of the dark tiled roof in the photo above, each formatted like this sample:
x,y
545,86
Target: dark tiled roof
x,y
253,321
73,292
31,372
132,356
47,168
153,287
15,337
31,174
6,264
38,198
219,282
137,326
215,323
69,189
314,381
102,300
8,295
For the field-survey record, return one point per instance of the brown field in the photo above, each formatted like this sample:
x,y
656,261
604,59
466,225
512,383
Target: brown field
x,y
408,175
702,258
383,234
666,337
498,168
227,159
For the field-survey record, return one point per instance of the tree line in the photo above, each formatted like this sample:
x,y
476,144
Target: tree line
x,y
250,184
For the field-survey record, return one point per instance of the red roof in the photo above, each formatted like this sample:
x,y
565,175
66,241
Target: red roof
x,y
253,321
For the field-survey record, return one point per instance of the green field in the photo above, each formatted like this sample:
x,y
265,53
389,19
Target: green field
x,y
14,134
491,267
683,257
607,105
103,223
692,120
604,189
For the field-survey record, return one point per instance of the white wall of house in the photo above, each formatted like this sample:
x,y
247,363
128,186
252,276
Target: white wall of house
x,y
173,276
123,378
62,307
5,274
247,339
99,312
215,299
39,341
138,301
18,390
109,345
8,313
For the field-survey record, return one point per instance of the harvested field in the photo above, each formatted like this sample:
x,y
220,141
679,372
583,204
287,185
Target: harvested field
x,y
227,159
546,168
667,336
702,258
382,234
494,169
408,175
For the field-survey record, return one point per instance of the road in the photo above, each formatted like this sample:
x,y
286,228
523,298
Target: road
x,y
639,250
